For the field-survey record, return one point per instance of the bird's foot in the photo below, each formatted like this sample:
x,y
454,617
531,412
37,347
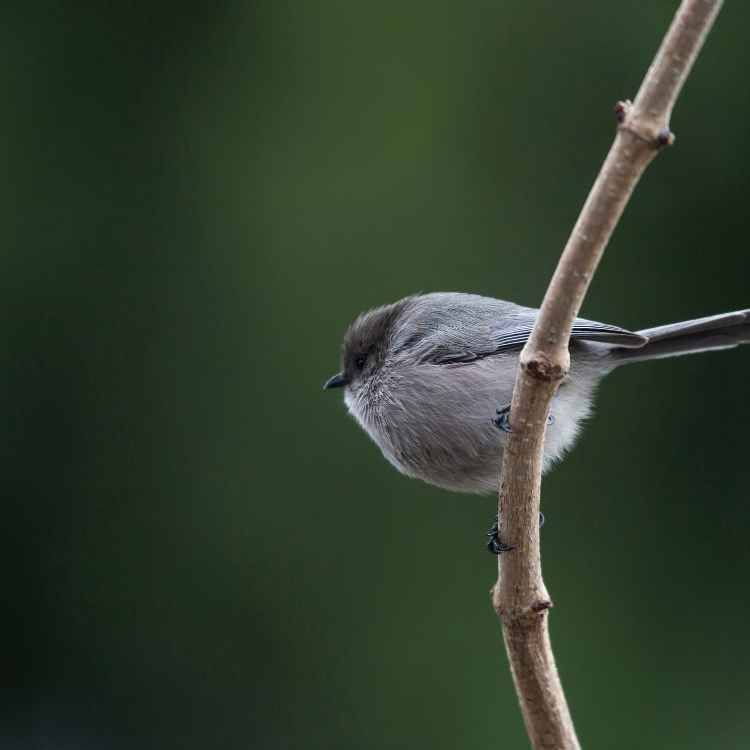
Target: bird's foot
x,y
495,545
502,420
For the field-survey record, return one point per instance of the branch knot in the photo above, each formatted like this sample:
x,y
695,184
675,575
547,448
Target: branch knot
x,y
632,119
524,616
540,367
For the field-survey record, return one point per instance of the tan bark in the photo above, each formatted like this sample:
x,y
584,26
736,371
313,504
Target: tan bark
x,y
519,596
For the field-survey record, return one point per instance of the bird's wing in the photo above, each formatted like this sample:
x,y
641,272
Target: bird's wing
x,y
455,346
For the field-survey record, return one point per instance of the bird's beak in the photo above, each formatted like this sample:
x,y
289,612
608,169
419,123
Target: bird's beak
x,y
336,381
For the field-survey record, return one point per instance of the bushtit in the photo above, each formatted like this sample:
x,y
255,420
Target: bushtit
x,y
430,378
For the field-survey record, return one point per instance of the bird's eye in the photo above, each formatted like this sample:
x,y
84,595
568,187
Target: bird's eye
x,y
360,361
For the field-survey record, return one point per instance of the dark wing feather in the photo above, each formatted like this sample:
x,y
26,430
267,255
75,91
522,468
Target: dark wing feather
x,y
457,348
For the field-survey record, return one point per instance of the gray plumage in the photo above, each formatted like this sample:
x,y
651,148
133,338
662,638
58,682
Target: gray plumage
x,y
425,375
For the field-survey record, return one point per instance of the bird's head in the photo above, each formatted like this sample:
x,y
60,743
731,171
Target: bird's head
x,y
366,346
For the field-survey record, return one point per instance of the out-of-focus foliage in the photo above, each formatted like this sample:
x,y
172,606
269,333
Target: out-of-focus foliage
x,y
200,549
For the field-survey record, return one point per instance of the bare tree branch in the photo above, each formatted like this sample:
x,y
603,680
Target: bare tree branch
x,y
520,597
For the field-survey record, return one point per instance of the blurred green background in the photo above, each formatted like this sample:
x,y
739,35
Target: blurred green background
x,y
200,547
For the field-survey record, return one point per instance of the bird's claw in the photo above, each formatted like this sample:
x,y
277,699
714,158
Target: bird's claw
x,y
495,545
502,420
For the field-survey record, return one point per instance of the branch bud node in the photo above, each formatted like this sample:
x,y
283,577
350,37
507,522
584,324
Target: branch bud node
x,y
621,110
665,137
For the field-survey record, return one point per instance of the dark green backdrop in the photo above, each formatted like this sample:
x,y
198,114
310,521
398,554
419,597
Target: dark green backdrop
x,y
200,549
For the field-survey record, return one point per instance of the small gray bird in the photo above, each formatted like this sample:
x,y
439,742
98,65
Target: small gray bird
x,y
430,378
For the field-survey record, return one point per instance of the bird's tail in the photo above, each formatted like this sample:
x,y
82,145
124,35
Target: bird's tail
x,y
690,337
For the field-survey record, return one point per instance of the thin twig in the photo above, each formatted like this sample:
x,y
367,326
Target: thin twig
x,y
520,597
